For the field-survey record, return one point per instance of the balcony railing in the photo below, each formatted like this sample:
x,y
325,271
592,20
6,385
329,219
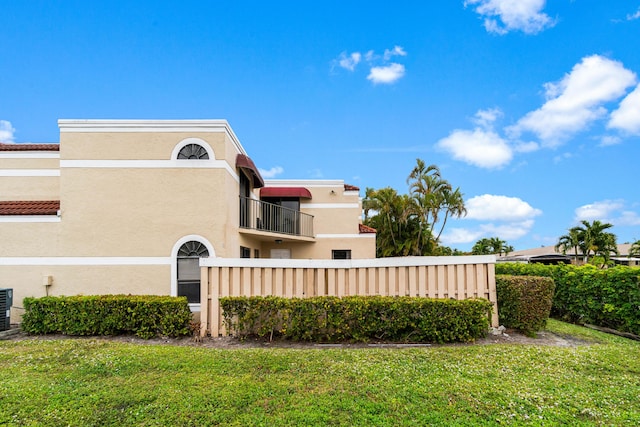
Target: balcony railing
x,y
264,216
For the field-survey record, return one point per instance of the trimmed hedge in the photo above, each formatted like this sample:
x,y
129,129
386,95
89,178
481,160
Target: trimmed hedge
x,y
524,302
586,294
357,318
143,315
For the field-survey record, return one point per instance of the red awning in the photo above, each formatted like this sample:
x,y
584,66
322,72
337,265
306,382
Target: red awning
x,y
29,207
244,162
300,192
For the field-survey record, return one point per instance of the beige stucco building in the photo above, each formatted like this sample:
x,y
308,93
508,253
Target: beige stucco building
x,y
129,206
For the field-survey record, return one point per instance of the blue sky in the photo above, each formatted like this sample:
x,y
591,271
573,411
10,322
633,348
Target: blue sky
x,y
531,107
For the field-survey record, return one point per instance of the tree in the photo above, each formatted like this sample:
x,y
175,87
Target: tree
x,y
412,224
571,240
490,246
592,239
635,249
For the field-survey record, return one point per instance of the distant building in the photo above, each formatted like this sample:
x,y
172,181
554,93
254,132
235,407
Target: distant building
x,y
129,206
549,255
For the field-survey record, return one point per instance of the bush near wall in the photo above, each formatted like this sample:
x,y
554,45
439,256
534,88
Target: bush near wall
x,y
143,315
357,318
524,302
586,294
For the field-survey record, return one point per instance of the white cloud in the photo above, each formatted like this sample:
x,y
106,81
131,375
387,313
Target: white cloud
x,y
629,218
480,147
271,173
607,140
381,71
598,210
6,132
486,118
461,235
633,16
502,208
349,62
576,101
627,117
510,231
523,15
526,147
511,218
612,211
564,156
396,51
386,74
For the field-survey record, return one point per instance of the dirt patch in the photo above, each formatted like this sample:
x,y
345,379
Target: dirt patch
x,y
544,338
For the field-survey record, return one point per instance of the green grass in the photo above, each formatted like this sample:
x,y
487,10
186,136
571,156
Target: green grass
x,y
97,383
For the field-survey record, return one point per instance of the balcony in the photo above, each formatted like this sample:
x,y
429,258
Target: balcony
x,y
264,217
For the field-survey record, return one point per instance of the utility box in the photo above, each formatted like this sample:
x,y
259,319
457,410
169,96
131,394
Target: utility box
x,y
6,301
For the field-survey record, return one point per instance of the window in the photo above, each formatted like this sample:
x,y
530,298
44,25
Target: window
x,y
193,151
256,253
341,254
189,256
245,252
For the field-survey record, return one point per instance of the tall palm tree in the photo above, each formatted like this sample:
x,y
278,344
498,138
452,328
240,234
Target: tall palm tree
x,y
434,198
453,207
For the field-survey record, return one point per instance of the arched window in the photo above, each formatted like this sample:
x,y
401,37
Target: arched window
x,y
193,151
189,270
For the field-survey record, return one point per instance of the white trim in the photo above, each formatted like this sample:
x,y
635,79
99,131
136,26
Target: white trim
x,y
304,183
110,126
70,261
174,257
198,141
29,218
30,155
329,205
30,172
347,236
150,164
350,263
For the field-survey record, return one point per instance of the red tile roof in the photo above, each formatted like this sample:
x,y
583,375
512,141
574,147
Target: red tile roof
x,y
29,147
348,187
366,229
30,207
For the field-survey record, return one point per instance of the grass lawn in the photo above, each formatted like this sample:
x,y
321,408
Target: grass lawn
x,y
96,383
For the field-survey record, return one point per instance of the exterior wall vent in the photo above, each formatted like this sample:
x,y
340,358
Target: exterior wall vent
x,y
6,301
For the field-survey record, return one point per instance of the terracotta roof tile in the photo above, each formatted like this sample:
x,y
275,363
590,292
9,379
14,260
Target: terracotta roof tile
x,y
30,207
348,187
366,229
29,147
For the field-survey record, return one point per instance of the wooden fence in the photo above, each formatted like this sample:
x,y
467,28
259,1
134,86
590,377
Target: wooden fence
x,y
458,277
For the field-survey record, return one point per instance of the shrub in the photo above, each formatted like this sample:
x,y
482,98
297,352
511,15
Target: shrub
x,y
142,315
586,294
524,302
357,318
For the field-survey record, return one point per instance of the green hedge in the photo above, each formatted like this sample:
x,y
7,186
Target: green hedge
x,y
586,294
357,318
524,302
143,315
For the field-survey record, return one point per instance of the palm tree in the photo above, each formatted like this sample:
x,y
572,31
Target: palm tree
x,y
635,249
568,241
453,207
594,238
